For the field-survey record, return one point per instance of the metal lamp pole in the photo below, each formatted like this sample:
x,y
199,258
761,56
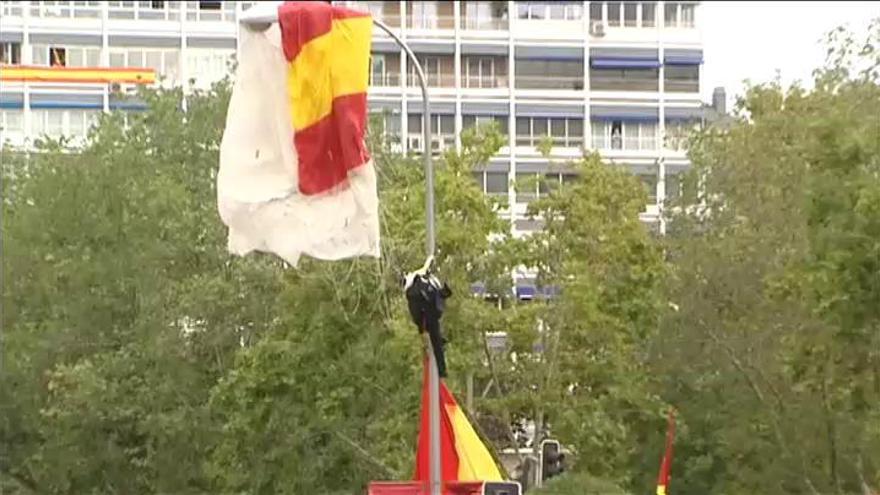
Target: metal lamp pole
x,y
262,19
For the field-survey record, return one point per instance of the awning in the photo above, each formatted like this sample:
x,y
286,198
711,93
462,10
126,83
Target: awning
x,y
639,114
674,56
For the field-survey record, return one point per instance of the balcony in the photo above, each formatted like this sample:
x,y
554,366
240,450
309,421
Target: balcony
x,y
68,10
439,143
11,9
679,86
210,11
431,22
484,16
434,80
599,83
628,143
549,82
385,80
480,24
484,82
163,11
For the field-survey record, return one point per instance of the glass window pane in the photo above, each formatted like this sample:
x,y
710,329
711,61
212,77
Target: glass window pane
x,y
117,59
550,183
40,55
522,10
523,131
447,124
673,186
539,127
136,58
557,127
76,125
596,11
496,182
669,12
478,179
575,132
468,121
502,124
154,60
687,15
93,57
629,14
614,13
526,189
557,11
54,122
414,123
649,10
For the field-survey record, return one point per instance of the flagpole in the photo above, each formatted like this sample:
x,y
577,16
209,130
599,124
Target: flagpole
x,y
261,16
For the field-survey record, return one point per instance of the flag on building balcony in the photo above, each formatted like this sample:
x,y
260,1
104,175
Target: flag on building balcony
x,y
295,175
464,456
663,477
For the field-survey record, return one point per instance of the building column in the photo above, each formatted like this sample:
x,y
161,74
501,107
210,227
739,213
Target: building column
x,y
404,65
457,16
661,125
511,119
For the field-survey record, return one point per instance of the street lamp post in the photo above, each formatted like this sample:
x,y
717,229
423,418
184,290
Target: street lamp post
x,y
260,17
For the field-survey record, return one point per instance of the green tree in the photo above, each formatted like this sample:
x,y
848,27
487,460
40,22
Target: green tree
x,y
773,357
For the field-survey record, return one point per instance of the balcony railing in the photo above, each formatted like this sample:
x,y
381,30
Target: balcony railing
x,y
11,9
557,141
70,10
629,143
431,22
210,11
439,142
484,24
168,11
549,82
617,84
434,80
388,79
678,86
484,82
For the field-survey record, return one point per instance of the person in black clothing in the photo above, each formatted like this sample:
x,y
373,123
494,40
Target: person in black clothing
x,y
425,296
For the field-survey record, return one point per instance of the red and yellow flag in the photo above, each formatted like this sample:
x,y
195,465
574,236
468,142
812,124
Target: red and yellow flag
x,y
295,175
663,477
464,456
328,49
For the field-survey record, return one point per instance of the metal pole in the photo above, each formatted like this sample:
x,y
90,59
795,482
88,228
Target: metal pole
x,y
261,19
435,473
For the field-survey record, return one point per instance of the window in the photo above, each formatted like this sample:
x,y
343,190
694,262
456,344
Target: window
x,y
157,5
687,15
526,187
624,79
549,74
673,186
10,53
649,11
479,180
377,70
480,72
614,14
670,14
565,132
629,14
549,183
209,5
57,57
650,183
11,120
496,183
443,127
468,121
433,75
616,135
682,78
596,11
424,15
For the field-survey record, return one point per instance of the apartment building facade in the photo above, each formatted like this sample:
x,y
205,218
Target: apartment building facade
x,y
622,78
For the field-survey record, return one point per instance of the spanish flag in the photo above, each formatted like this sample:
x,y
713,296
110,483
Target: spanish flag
x,y
464,456
663,477
295,175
